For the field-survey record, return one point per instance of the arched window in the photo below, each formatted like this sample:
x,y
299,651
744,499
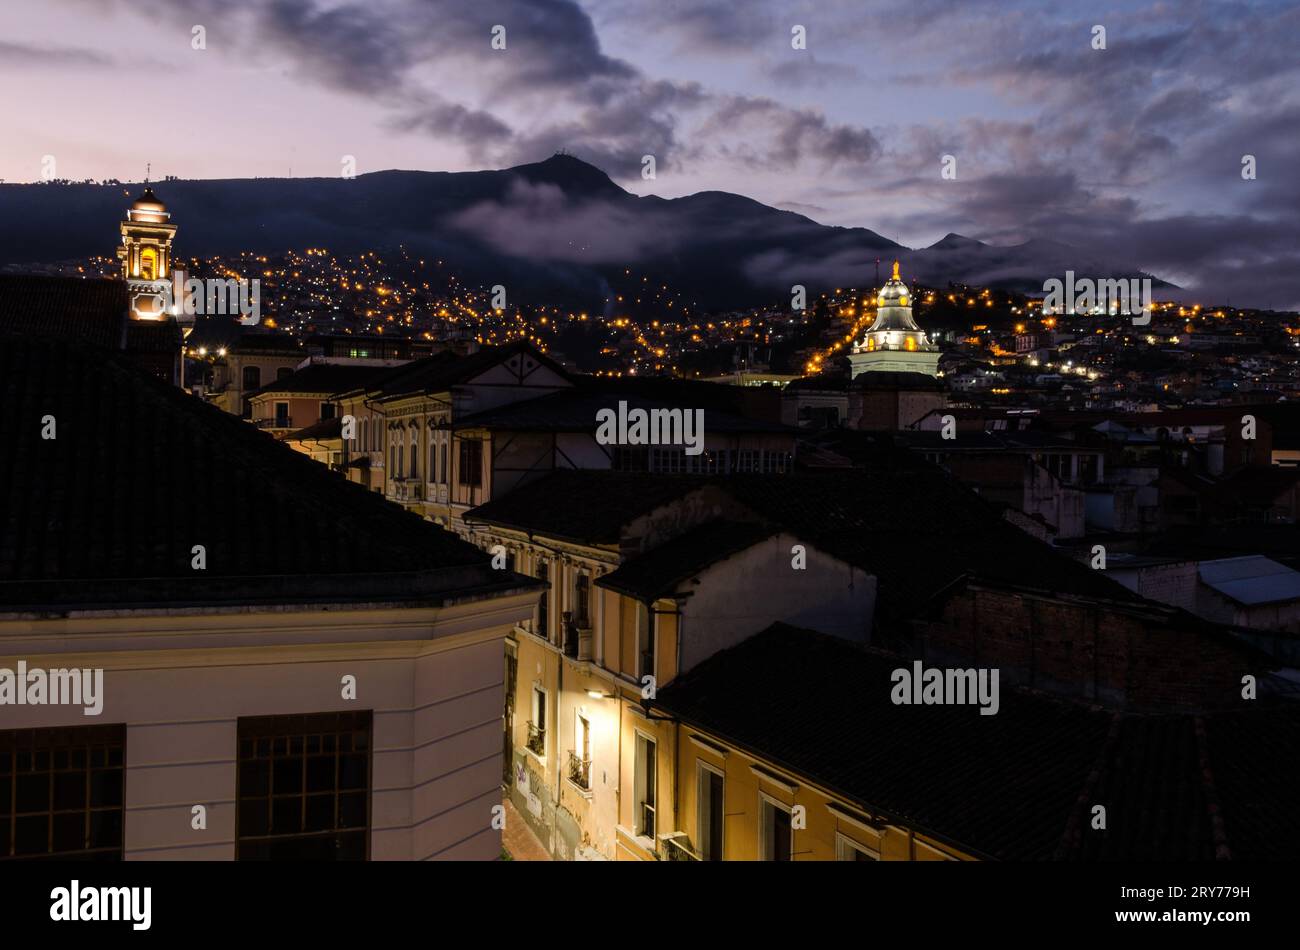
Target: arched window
x,y
365,433
148,264
443,467
433,458
415,455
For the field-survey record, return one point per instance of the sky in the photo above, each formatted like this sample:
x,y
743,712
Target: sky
x,y
1136,148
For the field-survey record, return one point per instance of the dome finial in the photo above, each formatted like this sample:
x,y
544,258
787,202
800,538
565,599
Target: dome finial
x,y
896,277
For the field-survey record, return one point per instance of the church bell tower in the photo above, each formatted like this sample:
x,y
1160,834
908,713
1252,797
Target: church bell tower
x,y
146,256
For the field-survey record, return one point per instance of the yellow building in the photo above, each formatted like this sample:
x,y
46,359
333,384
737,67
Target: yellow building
x,y
642,574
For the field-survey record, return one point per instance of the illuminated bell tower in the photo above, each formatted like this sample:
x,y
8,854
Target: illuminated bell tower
x,y
146,256
894,342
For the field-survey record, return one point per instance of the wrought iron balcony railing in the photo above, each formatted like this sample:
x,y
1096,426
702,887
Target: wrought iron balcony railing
x,y
677,847
536,739
647,819
579,771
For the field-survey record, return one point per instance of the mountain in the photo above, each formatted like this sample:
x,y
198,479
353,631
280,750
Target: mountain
x,y
558,230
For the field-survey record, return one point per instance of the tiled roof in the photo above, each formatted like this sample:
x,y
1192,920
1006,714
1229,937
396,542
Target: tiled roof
x,y
918,531
92,311
107,513
659,571
1016,785
441,371
583,505
574,410
326,379
324,429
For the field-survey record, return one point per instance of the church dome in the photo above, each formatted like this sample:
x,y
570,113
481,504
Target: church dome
x,y
148,201
148,208
894,293
894,308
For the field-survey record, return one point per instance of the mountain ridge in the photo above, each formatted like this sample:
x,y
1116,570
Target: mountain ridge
x,y
557,230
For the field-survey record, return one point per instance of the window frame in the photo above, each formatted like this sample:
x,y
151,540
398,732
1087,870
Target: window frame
x,y
704,769
765,800
640,785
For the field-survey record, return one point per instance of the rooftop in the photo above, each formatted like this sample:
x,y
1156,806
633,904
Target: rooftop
x,y
1251,581
586,506
1018,785
321,379
107,513
659,571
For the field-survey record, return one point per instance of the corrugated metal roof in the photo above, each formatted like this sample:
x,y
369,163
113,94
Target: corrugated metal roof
x,y
1251,580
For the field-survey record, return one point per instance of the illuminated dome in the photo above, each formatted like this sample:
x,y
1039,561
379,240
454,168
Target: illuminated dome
x,y
148,208
894,306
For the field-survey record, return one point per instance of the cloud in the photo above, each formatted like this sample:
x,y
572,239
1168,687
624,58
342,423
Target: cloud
x,y
29,56
539,222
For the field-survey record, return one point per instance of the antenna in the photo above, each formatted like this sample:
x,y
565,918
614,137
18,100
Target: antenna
x,y
148,170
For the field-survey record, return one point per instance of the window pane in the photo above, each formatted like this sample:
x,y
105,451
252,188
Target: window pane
x,y
49,780
319,786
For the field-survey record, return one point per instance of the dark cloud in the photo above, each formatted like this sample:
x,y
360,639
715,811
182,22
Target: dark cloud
x,y
1135,149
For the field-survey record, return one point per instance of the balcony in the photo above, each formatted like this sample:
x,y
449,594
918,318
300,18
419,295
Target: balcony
x,y
407,489
648,663
579,771
677,847
536,739
577,637
647,819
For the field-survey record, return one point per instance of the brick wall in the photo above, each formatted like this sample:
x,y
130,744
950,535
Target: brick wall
x,y
1091,652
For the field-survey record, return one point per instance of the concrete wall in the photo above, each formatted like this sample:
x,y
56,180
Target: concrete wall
x,y
742,595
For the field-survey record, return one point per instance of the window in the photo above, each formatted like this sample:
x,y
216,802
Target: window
x,y
667,461
544,601
846,849
304,787
776,835
471,463
282,415
415,456
433,459
252,378
442,467
645,786
61,793
630,459
582,600
537,725
148,264
326,410
580,757
709,804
